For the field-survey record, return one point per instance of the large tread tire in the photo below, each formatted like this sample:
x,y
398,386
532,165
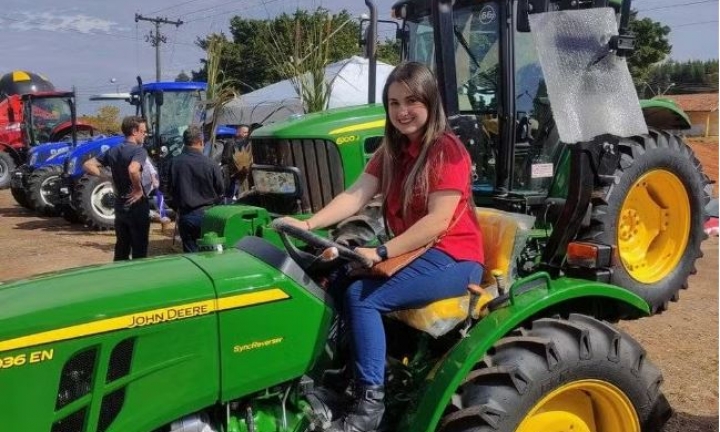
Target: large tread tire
x,y
93,199
20,196
19,191
43,190
7,166
70,214
613,220
521,370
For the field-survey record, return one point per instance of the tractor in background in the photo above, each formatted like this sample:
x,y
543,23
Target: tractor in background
x,y
50,126
238,337
32,112
169,108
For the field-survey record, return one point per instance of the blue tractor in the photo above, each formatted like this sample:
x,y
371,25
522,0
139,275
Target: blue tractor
x,y
169,108
50,129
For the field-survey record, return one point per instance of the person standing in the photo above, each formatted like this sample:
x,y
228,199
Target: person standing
x,y
132,208
195,183
232,174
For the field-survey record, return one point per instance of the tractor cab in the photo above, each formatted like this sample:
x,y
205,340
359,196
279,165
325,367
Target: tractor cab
x,y
169,107
494,93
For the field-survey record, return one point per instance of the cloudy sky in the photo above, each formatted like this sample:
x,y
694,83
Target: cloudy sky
x,y
97,46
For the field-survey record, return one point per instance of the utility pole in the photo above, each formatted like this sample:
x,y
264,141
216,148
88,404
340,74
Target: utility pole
x,y
157,38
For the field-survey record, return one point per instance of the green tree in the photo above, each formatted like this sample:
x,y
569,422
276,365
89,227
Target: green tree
x,y
249,58
651,46
389,51
182,77
106,119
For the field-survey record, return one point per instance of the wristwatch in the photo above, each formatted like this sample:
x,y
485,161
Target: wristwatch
x,y
382,252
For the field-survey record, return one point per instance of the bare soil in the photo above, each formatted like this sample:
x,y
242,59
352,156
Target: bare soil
x,y
683,341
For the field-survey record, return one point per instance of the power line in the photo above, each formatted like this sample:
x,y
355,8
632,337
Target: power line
x,y
174,6
677,5
157,38
693,23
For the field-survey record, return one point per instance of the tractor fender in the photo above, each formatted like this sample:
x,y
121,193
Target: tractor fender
x,y
542,296
12,151
664,114
64,129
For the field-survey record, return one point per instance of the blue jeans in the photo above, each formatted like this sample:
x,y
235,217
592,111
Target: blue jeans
x,y
433,276
189,228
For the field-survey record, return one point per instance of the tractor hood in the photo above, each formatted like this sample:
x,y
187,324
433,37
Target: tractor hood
x,y
91,295
90,149
112,297
326,124
40,154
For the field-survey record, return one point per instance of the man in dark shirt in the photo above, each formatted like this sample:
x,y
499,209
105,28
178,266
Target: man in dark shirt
x,y
195,183
132,208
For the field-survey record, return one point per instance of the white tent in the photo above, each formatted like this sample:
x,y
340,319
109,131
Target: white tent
x,y
348,79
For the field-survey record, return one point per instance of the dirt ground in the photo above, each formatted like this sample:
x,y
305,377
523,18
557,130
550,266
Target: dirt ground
x,y
682,342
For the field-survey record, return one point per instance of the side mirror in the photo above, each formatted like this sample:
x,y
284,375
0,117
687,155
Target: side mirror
x,y
524,9
273,180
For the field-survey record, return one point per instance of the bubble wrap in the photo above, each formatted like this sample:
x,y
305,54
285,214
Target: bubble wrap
x,y
590,89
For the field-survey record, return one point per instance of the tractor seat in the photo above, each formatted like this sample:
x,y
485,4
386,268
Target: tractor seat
x,y
499,230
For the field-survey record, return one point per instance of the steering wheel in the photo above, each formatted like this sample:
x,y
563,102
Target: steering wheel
x,y
306,259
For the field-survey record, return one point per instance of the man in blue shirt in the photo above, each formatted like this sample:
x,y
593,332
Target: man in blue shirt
x,y
132,209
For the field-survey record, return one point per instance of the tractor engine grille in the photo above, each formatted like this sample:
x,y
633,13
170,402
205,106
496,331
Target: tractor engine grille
x,y
321,172
78,380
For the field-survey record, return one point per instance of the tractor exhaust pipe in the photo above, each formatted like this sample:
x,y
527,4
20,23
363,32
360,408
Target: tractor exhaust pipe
x,y
371,44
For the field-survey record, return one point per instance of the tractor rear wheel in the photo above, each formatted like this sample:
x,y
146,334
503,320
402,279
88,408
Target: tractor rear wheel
x,y
578,374
43,190
94,200
7,166
654,215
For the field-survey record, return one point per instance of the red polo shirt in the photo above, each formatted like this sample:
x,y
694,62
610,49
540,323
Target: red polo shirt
x,y
450,167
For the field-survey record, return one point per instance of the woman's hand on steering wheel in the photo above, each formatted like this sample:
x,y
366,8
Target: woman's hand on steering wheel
x,y
369,253
292,227
297,223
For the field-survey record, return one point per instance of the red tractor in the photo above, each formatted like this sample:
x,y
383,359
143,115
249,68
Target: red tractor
x,y
31,113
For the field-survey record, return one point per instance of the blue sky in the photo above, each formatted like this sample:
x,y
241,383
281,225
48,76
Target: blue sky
x,y
89,43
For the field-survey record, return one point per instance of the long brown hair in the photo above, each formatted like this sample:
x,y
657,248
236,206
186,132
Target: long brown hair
x,y
421,83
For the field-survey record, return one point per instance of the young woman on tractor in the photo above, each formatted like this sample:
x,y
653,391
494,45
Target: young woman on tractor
x,y
423,172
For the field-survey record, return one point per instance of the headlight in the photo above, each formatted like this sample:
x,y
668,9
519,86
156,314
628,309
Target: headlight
x,y
71,165
33,159
275,182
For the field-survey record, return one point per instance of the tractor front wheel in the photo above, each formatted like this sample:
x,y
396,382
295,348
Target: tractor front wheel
x,y
7,166
575,374
18,189
94,200
654,216
43,190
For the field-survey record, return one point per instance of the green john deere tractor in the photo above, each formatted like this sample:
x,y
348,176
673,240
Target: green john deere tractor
x,y
238,338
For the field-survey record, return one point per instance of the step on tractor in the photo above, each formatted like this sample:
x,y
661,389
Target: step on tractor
x,y
240,336
51,128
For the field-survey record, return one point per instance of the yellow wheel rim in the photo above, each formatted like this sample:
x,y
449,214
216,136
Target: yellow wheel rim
x,y
653,226
583,406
